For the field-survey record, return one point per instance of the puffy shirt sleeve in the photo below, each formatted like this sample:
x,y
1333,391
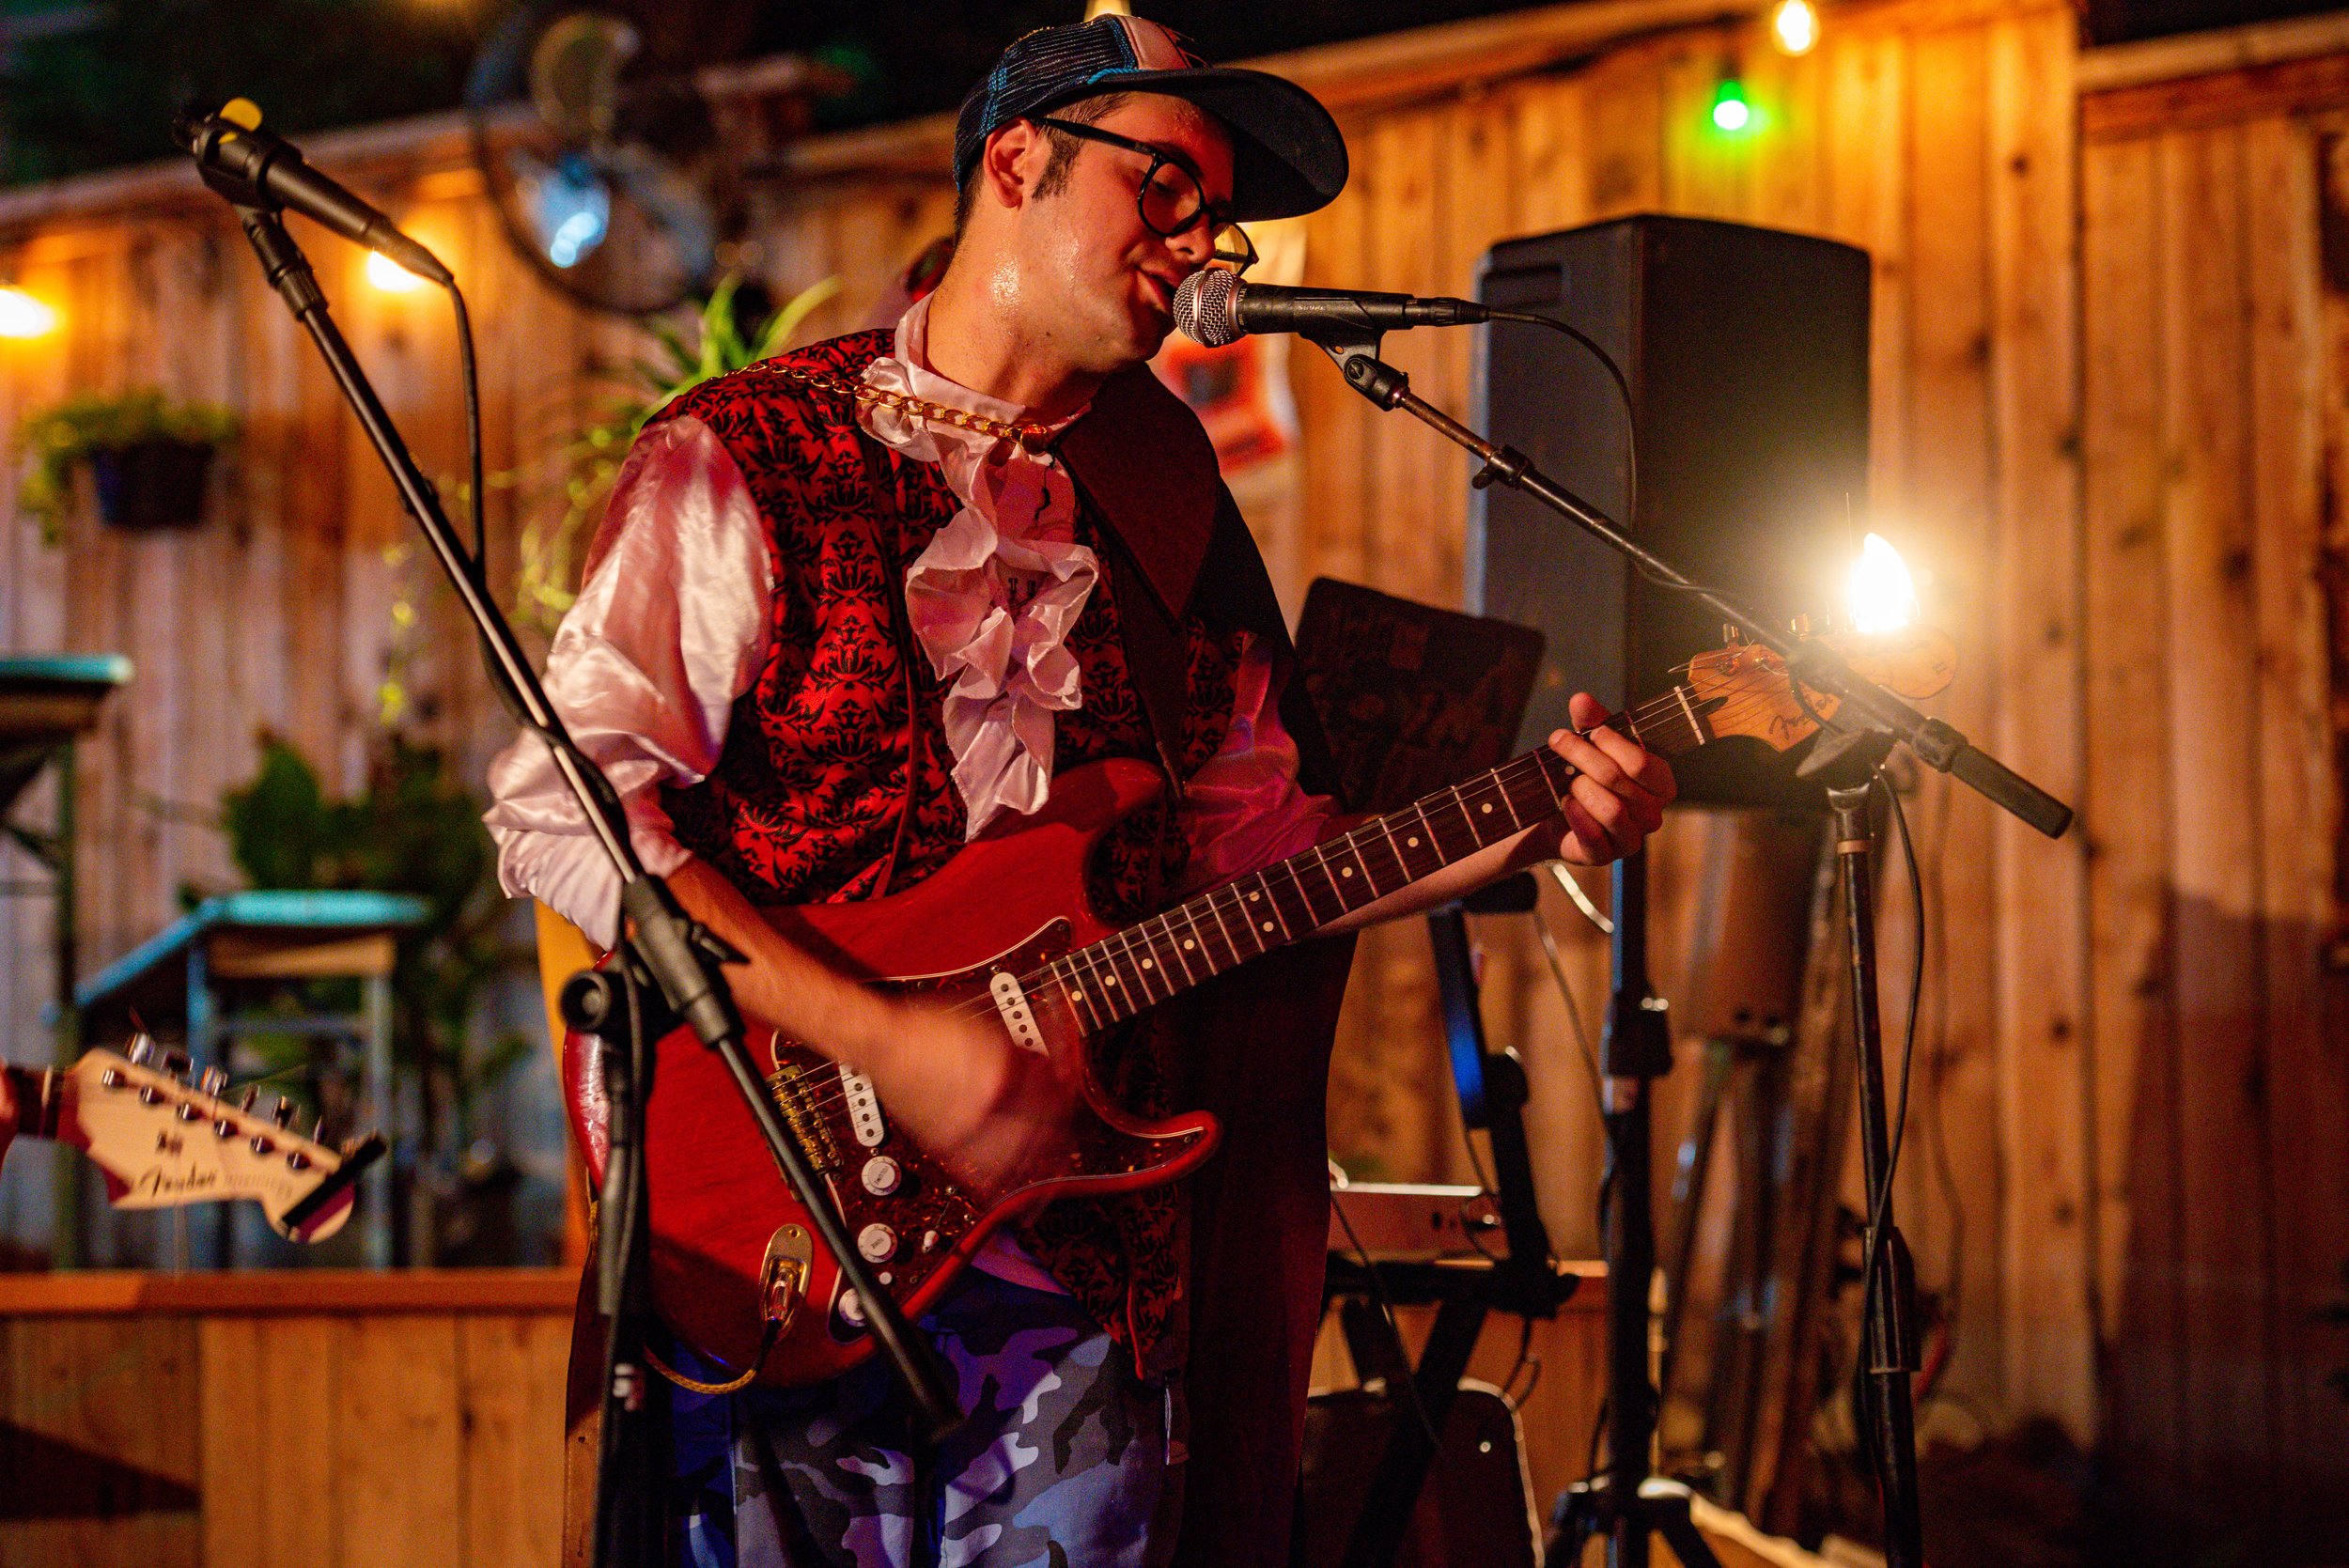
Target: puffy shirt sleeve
x,y
1245,809
669,628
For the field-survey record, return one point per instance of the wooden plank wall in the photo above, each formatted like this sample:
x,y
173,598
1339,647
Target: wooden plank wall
x,y
2216,292
336,1432
2105,391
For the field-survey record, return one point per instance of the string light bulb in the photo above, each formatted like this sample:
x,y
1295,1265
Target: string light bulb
x,y
1794,27
22,315
390,277
1732,113
1881,596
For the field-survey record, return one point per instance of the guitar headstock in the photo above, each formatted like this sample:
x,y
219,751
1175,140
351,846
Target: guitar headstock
x,y
1743,688
164,1142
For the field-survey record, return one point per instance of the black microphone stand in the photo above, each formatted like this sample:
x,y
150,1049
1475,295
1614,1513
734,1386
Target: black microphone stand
x,y
1869,721
665,969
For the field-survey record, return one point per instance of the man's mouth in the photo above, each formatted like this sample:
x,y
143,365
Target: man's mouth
x,y
1161,293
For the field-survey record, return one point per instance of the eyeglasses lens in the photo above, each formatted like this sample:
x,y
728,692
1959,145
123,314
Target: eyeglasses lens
x,y
1171,200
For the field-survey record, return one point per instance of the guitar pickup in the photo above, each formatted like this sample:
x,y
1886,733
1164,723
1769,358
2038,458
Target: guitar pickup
x,y
865,1112
1018,1016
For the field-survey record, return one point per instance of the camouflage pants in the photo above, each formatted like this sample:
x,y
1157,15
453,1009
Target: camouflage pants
x,y
1063,1463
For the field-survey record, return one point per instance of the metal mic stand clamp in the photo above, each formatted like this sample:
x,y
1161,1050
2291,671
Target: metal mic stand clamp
x,y
663,955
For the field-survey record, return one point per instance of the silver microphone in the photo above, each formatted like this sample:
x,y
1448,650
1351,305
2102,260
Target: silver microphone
x,y
1214,307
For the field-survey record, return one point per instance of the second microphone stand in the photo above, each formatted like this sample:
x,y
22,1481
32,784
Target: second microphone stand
x,y
1631,1505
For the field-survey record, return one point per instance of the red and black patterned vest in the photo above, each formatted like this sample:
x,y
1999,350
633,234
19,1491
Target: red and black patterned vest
x,y
806,800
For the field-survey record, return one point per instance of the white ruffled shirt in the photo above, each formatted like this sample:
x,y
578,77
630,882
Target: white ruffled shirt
x,y
993,598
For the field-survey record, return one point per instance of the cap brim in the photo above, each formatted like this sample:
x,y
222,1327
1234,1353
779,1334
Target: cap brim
x,y
1287,156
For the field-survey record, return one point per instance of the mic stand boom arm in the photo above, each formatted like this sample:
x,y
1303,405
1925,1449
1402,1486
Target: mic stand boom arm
x,y
677,957
1818,666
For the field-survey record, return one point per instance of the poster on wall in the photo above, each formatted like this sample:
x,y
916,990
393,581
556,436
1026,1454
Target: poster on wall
x,y
1240,392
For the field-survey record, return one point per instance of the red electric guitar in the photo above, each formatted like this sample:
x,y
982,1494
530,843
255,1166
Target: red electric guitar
x,y
1004,927
164,1142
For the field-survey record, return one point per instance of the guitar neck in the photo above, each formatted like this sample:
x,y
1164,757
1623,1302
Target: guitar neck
x,y
40,1096
1217,930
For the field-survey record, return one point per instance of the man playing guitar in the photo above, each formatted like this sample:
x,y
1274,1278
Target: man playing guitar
x,y
853,607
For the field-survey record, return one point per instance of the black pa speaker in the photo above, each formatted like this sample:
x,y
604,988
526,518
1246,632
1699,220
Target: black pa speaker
x,y
1747,354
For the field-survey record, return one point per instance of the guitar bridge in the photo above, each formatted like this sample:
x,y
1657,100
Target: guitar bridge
x,y
794,1096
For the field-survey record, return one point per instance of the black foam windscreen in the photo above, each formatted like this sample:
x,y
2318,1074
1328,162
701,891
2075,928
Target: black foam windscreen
x,y
1746,351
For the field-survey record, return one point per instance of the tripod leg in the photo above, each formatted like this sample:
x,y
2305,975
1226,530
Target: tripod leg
x,y
1687,1543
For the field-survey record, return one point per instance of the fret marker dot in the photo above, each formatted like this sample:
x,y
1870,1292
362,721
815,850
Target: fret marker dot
x,y
1346,871
1109,979
1145,962
1254,896
1412,842
1268,926
1189,944
1487,808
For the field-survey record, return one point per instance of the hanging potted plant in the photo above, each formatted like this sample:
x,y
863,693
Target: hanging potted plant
x,y
148,457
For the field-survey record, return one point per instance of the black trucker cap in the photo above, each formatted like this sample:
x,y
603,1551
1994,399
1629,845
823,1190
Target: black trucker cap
x,y
1288,157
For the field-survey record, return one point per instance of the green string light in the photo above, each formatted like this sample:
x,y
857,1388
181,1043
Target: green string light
x,y
1731,114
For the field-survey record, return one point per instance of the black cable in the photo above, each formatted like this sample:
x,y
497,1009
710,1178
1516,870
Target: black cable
x,y
470,374
1622,390
1872,1266
624,1186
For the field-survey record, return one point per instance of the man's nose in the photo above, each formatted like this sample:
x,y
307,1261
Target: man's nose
x,y
1195,248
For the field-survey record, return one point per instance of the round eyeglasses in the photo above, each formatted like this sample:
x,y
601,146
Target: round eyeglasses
x,y
1172,201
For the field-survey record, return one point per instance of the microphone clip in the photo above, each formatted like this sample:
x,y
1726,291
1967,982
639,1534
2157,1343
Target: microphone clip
x,y
1355,350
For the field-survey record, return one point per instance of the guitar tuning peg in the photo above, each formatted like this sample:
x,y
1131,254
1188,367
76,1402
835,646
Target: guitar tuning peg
x,y
1731,636
284,1114
176,1063
1801,626
213,1080
141,1050
250,1094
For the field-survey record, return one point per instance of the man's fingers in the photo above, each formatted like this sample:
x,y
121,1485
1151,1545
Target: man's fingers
x,y
1602,769
1613,814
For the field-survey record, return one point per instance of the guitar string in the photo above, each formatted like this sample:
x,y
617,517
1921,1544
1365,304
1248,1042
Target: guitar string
x,y
1221,900
1226,897
1217,902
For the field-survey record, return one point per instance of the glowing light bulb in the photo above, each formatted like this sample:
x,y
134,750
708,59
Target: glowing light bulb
x,y
1882,595
23,316
389,275
1795,27
1731,112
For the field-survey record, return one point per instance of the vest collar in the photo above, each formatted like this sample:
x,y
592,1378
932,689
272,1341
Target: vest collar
x,y
1145,462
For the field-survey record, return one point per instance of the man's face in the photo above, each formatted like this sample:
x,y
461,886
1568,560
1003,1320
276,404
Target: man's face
x,y
1112,279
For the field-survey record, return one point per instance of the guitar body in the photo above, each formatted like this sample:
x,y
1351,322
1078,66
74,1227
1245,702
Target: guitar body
x,y
1004,928
726,1229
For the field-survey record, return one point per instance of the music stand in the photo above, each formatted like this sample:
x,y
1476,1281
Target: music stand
x,y
1412,698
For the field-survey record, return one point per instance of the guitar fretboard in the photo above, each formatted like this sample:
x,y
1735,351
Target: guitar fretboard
x,y
1154,960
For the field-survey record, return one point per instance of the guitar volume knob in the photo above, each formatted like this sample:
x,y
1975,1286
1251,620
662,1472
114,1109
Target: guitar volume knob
x,y
877,1243
881,1175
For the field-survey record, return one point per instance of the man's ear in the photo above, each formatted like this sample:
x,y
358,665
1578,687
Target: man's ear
x,y
1012,161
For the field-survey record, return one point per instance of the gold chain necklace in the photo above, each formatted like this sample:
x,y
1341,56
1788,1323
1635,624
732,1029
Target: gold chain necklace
x,y
1032,438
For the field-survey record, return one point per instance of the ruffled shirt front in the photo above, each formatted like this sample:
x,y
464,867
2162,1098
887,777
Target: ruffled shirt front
x,y
993,597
